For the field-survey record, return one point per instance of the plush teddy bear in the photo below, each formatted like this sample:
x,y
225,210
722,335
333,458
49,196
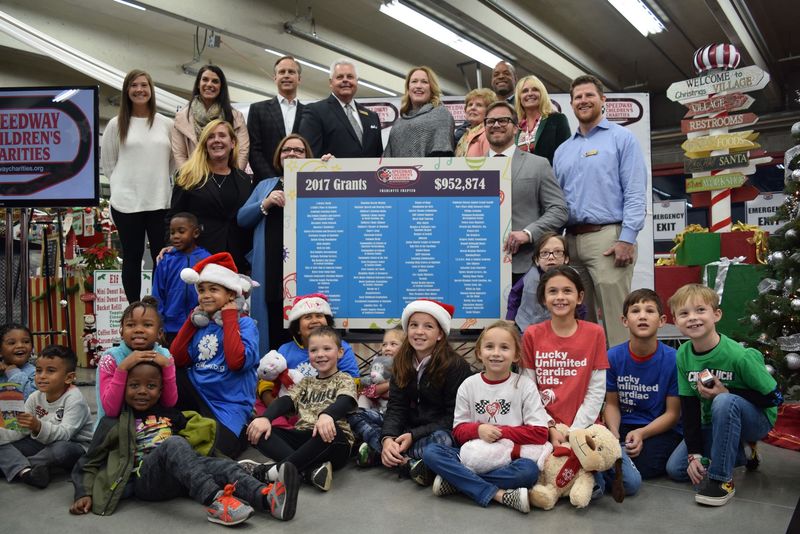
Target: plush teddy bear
x,y
380,371
570,470
481,456
272,368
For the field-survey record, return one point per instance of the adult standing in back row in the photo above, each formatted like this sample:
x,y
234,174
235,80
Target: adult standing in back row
x,y
424,127
269,121
338,125
138,161
604,177
210,101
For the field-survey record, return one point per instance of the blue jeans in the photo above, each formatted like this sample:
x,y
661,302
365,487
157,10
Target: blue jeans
x,y
734,421
631,478
656,450
444,461
27,452
367,425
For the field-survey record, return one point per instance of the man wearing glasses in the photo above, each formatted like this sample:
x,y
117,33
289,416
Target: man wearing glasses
x,y
271,120
603,174
537,202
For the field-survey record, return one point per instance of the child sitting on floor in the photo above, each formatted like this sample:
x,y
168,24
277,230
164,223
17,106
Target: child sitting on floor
x,y
321,439
56,424
16,349
150,452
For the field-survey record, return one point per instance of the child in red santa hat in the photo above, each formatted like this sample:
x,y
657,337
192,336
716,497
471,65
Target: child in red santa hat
x,y
217,362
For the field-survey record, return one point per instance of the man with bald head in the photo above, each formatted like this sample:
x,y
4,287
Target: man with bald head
x,y
504,79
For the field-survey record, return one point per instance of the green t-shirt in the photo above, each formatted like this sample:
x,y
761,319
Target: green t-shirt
x,y
734,365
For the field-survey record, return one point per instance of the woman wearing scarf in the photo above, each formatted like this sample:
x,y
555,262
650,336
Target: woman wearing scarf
x,y
210,101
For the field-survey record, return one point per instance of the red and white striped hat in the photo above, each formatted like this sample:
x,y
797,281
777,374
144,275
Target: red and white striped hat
x,y
716,56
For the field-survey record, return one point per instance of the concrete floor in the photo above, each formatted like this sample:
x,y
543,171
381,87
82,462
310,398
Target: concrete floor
x,y
375,501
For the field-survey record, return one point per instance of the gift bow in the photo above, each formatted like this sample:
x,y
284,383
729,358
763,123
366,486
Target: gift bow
x,y
681,236
759,239
722,273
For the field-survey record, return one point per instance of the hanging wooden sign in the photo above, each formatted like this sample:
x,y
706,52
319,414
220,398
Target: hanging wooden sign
x,y
740,120
744,80
718,104
715,182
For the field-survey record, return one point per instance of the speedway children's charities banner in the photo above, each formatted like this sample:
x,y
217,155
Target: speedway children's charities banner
x,y
48,147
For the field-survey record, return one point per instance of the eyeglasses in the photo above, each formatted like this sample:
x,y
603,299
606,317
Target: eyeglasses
x,y
293,149
557,254
501,121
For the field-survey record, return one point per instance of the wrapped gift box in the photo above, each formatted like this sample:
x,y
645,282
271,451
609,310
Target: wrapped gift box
x,y
698,249
669,278
735,244
741,286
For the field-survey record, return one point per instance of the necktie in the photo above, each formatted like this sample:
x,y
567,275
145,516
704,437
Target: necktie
x,y
353,121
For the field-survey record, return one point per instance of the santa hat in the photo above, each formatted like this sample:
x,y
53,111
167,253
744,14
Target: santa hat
x,y
443,313
312,303
218,269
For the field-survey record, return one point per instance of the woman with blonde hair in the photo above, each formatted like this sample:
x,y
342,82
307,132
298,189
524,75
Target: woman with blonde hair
x,y
474,143
424,127
210,186
137,160
541,127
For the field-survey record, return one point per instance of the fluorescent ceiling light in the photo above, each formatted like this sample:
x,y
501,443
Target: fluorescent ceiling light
x,y
326,70
134,6
434,30
376,88
639,15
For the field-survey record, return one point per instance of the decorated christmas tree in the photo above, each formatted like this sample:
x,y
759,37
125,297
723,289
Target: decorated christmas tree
x,y
775,315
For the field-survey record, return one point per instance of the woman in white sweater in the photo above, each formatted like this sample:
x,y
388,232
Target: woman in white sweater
x,y
137,158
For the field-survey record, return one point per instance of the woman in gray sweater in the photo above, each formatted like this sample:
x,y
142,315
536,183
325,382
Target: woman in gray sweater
x,y
425,127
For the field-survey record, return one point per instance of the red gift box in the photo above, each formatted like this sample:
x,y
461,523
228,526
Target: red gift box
x,y
733,244
670,278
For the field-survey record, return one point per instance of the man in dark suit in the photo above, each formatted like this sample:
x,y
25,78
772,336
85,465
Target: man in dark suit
x,y
504,81
537,201
271,120
340,126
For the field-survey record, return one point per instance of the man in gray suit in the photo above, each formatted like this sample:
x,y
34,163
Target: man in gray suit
x,y
537,202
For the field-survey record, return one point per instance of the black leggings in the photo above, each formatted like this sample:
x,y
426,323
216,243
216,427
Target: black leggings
x,y
132,228
303,451
226,442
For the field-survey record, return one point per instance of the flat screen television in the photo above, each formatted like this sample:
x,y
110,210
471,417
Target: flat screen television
x,y
49,147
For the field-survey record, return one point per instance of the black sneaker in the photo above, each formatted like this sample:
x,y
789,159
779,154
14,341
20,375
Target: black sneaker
x,y
322,476
714,492
420,473
755,459
280,497
517,499
38,476
442,487
256,470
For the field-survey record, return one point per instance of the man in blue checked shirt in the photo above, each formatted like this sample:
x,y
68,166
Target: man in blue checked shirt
x,y
604,177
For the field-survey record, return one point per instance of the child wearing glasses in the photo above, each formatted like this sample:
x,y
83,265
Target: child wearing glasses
x,y
523,306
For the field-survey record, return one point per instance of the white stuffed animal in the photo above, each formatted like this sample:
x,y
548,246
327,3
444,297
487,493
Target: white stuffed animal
x,y
272,368
481,456
380,371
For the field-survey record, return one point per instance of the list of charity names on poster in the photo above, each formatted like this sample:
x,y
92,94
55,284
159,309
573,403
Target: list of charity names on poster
x,y
373,249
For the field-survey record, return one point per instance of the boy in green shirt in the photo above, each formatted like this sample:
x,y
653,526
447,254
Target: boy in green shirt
x,y
736,403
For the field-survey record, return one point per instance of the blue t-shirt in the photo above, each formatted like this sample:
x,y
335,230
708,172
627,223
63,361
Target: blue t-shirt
x,y
643,387
228,393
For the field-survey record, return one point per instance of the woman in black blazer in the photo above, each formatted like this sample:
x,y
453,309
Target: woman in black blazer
x,y
541,128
